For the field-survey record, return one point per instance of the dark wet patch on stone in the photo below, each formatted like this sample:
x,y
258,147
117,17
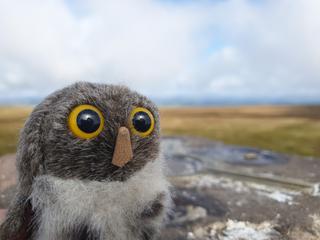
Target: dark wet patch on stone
x,y
214,152
239,155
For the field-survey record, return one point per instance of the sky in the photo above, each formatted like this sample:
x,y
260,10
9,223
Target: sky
x,y
174,51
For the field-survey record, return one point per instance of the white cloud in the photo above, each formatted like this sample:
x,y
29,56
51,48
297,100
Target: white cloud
x,y
275,46
235,48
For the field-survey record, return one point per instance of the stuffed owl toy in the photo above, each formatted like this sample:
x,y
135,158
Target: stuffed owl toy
x,y
89,168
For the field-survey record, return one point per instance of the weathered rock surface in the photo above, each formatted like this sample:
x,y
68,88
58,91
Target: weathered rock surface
x,y
229,193
233,193
7,180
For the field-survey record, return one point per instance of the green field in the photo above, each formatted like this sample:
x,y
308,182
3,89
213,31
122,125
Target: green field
x,y
294,130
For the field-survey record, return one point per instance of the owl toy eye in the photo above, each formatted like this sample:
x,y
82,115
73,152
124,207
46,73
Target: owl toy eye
x,y
141,121
85,121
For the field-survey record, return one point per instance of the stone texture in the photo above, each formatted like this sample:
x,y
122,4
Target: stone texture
x,y
239,202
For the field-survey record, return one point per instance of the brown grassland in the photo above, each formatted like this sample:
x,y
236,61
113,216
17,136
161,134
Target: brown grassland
x,y
288,129
11,121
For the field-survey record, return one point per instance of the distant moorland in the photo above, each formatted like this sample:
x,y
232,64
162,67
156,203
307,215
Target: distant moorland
x,y
287,129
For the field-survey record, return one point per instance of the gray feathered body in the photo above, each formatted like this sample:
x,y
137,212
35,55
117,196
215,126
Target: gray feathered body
x,y
108,210
68,187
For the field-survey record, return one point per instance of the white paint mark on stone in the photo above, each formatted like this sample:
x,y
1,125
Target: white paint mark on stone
x,y
190,236
193,213
316,224
207,181
316,190
244,230
235,230
279,197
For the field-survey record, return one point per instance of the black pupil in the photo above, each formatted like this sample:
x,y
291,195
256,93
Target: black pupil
x,y
88,121
141,121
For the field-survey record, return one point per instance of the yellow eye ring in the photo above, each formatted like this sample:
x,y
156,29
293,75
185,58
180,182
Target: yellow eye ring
x,y
86,121
141,122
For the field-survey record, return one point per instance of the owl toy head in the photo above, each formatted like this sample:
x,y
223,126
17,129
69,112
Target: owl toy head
x,y
91,132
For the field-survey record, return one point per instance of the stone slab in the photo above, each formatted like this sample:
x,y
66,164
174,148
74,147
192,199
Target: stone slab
x,y
223,192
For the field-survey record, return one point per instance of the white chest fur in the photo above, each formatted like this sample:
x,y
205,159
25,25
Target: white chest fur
x,y
112,209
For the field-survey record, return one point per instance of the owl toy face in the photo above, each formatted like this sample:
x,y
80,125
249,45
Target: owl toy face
x,y
74,149
88,128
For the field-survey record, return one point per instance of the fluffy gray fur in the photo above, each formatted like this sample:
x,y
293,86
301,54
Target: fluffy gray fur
x,y
110,209
67,185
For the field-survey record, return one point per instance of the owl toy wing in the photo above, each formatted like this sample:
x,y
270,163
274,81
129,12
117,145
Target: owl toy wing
x,y
19,220
17,225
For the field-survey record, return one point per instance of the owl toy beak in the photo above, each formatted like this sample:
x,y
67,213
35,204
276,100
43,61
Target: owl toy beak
x,y
123,149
